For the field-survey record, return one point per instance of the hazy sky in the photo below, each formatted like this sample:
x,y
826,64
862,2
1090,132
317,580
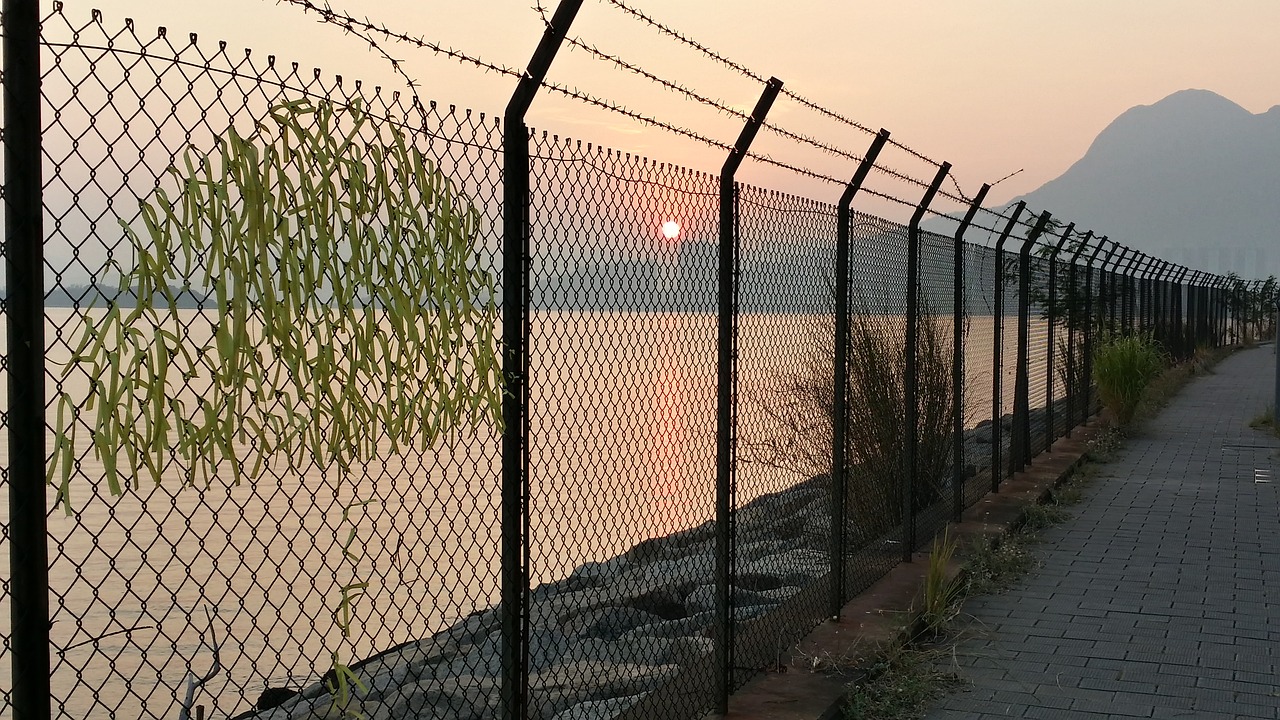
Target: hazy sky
x,y
992,86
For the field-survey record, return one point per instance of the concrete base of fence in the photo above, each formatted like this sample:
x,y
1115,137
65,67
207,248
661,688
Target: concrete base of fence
x,y
813,682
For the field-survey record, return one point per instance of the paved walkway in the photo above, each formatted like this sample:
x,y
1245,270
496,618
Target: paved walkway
x,y
1161,597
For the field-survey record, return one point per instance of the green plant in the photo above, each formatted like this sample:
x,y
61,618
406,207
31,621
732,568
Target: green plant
x,y
901,684
346,305
322,337
1123,367
942,589
1266,420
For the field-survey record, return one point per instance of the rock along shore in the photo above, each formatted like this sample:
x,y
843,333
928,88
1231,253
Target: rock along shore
x,y
607,635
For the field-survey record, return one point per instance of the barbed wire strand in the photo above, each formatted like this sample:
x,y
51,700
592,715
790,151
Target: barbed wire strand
x,y
362,27
723,107
747,72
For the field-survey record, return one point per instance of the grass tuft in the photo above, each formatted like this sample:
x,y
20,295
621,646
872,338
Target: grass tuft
x,y
902,684
1123,367
943,591
1266,420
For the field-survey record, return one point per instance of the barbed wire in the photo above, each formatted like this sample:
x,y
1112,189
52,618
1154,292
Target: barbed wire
x,y
359,27
720,105
364,27
747,72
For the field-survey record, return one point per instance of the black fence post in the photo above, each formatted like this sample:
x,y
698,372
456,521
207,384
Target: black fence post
x,y
1126,315
1020,451
1160,302
839,428
1091,327
1049,426
957,357
910,381
1073,330
515,366
1224,311
1139,281
1165,304
1113,292
997,364
1150,277
1275,345
726,392
1198,323
1142,278
1211,309
1180,302
24,314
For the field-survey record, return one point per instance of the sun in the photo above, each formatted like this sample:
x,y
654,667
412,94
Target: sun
x,y
671,229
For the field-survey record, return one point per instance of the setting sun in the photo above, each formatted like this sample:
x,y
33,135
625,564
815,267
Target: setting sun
x,y
671,229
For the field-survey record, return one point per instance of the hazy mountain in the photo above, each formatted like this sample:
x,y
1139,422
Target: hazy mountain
x,y
1193,178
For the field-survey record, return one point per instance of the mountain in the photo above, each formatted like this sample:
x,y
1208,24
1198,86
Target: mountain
x,y
1194,178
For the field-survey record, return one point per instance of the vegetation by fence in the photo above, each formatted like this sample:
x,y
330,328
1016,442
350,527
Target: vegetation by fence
x,y
328,401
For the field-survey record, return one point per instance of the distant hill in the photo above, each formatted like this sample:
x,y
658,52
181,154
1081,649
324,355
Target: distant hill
x,y
1194,178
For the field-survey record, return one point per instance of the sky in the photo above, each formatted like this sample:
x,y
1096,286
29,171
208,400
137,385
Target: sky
x,y
992,86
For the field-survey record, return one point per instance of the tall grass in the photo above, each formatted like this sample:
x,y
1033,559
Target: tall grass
x,y
1123,367
802,415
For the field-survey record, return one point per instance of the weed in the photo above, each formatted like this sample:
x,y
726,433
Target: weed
x,y
1039,517
942,591
1123,367
902,684
801,416
1266,420
996,566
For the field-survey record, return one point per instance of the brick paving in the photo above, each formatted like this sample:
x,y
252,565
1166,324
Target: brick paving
x,y
1160,598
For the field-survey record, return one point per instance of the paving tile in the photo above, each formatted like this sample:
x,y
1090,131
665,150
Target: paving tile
x,y
1151,601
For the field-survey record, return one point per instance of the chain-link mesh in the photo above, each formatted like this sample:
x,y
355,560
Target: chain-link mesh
x,y
935,456
980,367
266,575
622,428
782,523
272,375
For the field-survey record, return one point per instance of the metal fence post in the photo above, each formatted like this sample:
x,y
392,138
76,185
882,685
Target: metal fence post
x,y
1049,428
1126,315
1179,312
957,357
1144,294
726,390
1113,292
997,366
1073,329
1021,439
515,366
1166,303
24,314
1150,277
1198,322
1161,283
1212,307
910,381
1095,327
1275,345
839,429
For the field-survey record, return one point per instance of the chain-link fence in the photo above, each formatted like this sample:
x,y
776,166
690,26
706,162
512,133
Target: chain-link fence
x,y
284,469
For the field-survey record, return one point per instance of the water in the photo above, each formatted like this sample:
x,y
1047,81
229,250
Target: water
x,y
622,449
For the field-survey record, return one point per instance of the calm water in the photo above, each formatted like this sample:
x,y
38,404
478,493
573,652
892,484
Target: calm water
x,y
622,449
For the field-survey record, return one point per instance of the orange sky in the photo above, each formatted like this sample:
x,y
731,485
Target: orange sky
x,y
993,86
